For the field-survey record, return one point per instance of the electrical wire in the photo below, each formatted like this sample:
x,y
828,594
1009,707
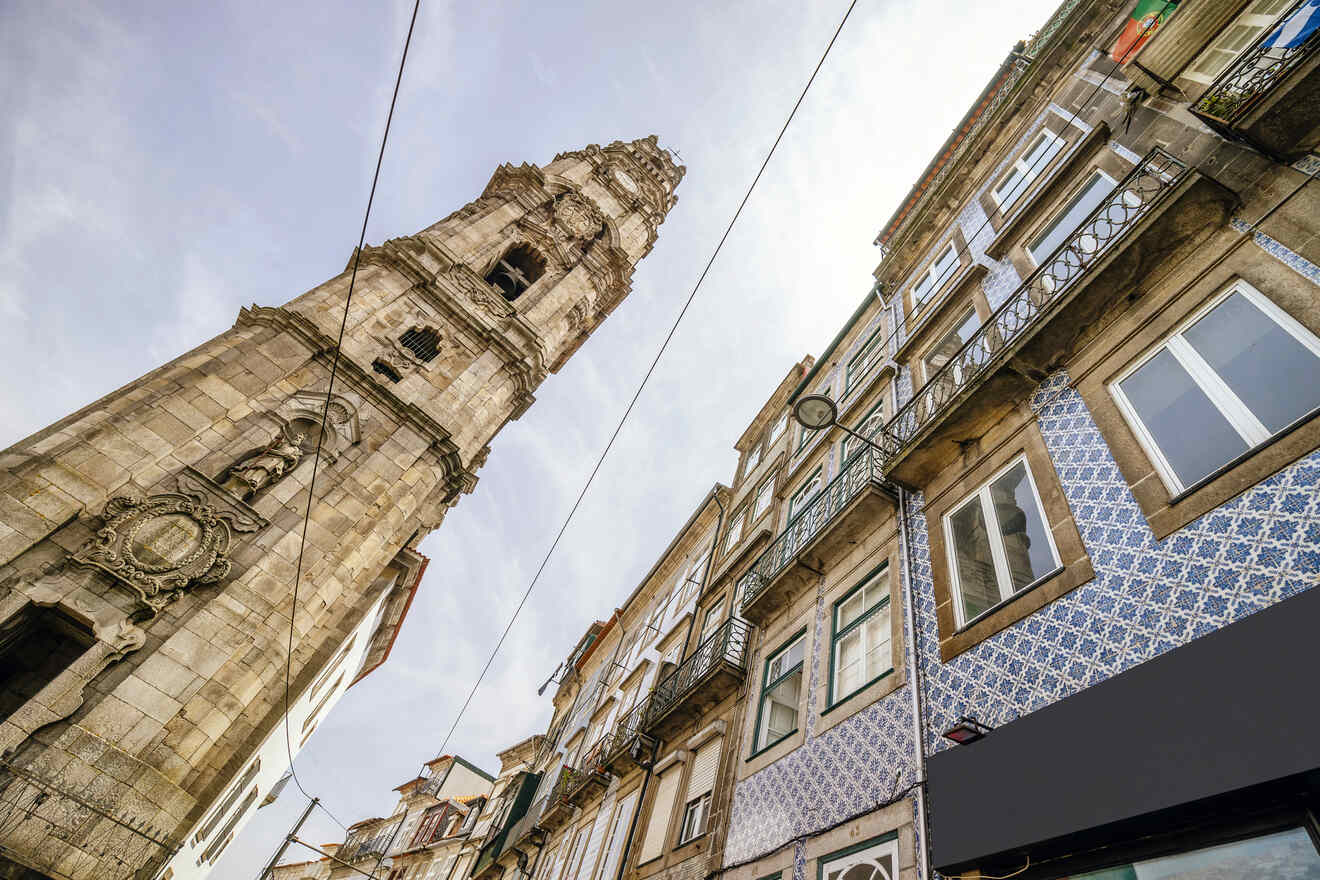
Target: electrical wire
x,y
325,410
650,370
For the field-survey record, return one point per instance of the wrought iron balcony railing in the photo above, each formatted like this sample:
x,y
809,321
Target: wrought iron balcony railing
x,y
727,645
1130,201
863,469
1245,82
625,731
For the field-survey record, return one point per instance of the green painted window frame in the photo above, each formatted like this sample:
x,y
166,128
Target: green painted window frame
x,y
757,746
857,847
844,454
858,367
793,514
832,699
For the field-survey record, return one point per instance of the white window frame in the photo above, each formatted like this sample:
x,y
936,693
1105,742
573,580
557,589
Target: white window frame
x,y
734,533
1259,22
1029,173
778,428
711,621
796,502
937,283
763,499
698,808
1058,215
1230,406
752,459
861,854
1003,578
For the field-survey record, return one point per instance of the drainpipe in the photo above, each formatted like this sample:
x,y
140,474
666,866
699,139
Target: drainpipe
x,y
918,735
632,826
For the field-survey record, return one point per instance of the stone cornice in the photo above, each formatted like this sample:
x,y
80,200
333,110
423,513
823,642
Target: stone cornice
x,y
456,479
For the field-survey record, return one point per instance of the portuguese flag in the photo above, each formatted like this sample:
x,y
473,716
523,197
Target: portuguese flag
x,y
1146,19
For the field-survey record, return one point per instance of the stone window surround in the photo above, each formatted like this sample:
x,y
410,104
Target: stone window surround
x,y
1072,134
968,292
1020,436
912,311
1145,325
890,822
849,705
770,642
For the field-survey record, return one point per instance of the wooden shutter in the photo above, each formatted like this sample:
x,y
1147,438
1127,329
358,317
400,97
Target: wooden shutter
x,y
704,765
657,824
618,830
588,865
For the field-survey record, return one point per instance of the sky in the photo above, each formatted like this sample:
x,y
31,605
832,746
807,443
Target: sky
x,y
163,165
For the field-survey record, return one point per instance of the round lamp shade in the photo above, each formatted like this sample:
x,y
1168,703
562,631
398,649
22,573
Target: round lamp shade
x,y
815,411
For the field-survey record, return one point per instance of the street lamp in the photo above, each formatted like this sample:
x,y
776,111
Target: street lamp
x,y
816,411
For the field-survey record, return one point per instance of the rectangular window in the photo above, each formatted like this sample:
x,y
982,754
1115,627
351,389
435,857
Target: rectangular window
x,y
778,428
1026,168
863,861
657,825
1282,855
1234,39
933,278
712,620
860,364
999,543
694,819
1236,374
802,497
860,651
734,534
764,496
752,459
868,427
781,690
614,842
1096,189
949,346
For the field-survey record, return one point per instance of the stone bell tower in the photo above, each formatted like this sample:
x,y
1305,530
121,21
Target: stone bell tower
x,y
147,542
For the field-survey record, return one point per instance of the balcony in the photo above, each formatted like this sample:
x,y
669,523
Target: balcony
x,y
832,521
587,780
557,809
620,749
713,671
1157,214
1270,96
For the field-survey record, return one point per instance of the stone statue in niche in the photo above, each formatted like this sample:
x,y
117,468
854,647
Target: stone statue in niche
x,y
265,467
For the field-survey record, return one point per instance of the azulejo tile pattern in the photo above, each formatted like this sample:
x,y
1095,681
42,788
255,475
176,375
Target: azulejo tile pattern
x,y
1148,596
1276,249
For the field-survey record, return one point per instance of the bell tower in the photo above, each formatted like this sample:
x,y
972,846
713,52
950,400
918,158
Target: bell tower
x,y
148,541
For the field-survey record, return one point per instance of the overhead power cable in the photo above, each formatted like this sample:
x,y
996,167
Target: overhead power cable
x,y
325,409
650,370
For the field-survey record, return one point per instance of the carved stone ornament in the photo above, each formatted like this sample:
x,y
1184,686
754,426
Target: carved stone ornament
x,y
265,467
159,546
577,217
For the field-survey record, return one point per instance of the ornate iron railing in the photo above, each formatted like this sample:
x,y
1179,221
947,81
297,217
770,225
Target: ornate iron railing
x,y
863,469
560,789
728,644
1131,199
1249,78
625,731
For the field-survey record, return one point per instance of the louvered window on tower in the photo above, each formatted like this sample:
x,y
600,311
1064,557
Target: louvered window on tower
x,y
516,271
423,342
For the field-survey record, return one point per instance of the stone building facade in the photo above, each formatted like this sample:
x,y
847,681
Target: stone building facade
x,y
149,543
1036,600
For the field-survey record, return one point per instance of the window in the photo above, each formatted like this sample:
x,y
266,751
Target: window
x,y
701,782
1097,187
998,543
752,460
802,497
873,860
933,278
778,428
805,434
711,621
430,826
325,676
860,652
1279,856
950,345
860,364
694,819
764,496
1238,373
311,716
734,534
516,271
1234,39
237,789
657,824
781,689
1026,168
423,342
868,427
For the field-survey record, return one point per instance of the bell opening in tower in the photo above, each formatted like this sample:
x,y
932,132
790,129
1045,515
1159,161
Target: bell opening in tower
x,y
36,645
516,271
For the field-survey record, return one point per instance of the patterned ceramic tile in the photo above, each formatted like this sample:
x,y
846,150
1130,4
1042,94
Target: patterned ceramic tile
x,y
1295,261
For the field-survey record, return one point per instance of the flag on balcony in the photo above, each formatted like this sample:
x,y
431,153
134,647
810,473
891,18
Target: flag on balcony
x,y
1145,20
1297,28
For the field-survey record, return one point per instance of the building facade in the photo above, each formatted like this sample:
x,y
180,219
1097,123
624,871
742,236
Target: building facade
x,y
1034,599
149,543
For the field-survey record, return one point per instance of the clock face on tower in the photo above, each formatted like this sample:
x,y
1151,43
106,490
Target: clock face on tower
x,y
625,181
